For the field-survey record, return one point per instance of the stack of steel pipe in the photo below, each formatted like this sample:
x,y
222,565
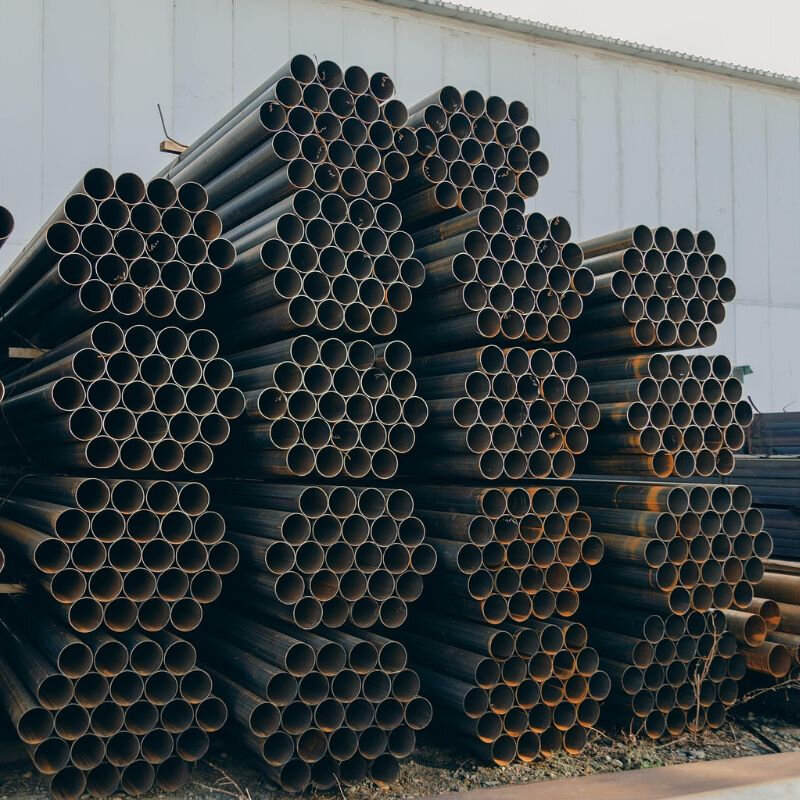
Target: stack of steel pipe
x,y
509,681
774,434
117,553
97,288
325,407
114,249
768,630
503,413
6,225
655,289
111,565
491,273
775,482
327,555
675,554
317,708
103,306
300,173
664,415
133,398
101,712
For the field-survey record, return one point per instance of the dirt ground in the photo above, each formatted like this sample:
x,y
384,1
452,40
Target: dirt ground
x,y
226,773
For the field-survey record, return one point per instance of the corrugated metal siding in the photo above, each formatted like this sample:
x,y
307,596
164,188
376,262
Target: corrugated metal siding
x,y
629,141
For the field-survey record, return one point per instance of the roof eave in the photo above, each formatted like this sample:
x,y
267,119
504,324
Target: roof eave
x,y
555,33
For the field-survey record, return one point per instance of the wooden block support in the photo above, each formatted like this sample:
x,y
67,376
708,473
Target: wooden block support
x,y
170,146
25,352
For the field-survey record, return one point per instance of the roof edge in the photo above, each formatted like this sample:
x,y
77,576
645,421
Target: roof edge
x,y
542,30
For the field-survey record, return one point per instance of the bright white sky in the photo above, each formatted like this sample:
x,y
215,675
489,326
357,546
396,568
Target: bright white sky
x,y
754,33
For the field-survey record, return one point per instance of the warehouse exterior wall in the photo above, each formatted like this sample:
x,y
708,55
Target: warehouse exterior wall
x,y
629,141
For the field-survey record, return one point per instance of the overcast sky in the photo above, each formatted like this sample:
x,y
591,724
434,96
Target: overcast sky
x,y
762,34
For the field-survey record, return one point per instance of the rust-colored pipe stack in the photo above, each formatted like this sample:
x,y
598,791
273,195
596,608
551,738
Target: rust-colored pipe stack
x,y
511,681
768,630
300,174
98,712
674,555
118,553
111,377
314,708
665,415
112,566
655,288
329,407
512,684
328,555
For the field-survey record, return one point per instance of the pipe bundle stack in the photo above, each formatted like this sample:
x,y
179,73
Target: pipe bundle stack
x,y
118,378
661,415
511,682
768,630
328,555
314,708
300,174
655,289
99,712
664,415
117,553
674,555
327,407
771,469
503,413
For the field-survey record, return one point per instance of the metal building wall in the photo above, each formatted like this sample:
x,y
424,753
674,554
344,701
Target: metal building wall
x,y
629,141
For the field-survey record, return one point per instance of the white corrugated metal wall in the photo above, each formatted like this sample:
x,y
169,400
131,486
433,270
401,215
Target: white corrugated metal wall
x,y
629,140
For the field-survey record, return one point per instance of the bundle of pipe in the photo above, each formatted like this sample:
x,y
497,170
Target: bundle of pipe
x,y
509,681
503,413
319,708
134,398
489,271
774,434
775,483
98,713
675,554
664,415
117,553
114,249
325,407
768,630
299,173
6,225
495,273
655,289
327,555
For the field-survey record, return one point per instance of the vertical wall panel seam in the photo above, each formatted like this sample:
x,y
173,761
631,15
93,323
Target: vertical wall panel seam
x,y
733,215
233,50
659,199
767,237
620,154
578,153
41,113
693,117
111,20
